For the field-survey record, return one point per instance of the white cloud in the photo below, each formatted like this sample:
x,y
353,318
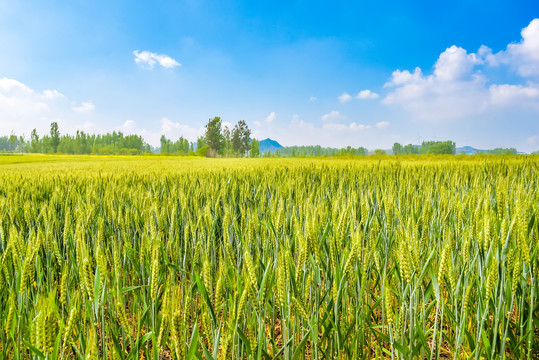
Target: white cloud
x,y
84,107
510,94
52,94
455,64
14,87
295,118
226,124
382,124
173,130
345,97
23,109
128,127
459,89
257,123
149,59
367,94
522,56
453,91
343,127
532,139
312,99
331,115
271,117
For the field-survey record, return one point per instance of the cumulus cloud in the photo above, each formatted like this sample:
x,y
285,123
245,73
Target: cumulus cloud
x,y
149,59
522,56
84,107
174,130
367,94
382,124
454,90
23,109
458,88
512,94
345,97
170,129
15,87
271,117
128,127
331,115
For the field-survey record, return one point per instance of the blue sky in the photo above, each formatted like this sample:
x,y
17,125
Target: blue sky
x,y
301,72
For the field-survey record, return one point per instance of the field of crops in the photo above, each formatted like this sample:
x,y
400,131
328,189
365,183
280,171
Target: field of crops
x,y
401,258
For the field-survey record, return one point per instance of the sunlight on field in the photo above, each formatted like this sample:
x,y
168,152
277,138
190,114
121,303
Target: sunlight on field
x,y
268,258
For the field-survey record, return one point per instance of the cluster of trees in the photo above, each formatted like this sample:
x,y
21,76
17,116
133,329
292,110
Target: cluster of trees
x,y
317,150
179,147
216,141
223,141
502,151
114,143
427,147
10,143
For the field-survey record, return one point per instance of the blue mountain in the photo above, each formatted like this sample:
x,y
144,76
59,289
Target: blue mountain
x,y
269,145
468,150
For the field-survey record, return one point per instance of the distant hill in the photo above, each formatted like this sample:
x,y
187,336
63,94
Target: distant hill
x,y
269,145
469,150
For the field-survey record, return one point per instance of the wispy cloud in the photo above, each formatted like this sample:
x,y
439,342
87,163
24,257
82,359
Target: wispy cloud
x,y
331,115
84,107
382,124
149,59
345,97
271,117
367,94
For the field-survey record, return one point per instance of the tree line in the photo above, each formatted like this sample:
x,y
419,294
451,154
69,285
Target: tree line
x,y
317,151
115,143
217,140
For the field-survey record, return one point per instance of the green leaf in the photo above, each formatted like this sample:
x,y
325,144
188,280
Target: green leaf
x,y
302,343
204,294
131,288
245,341
193,345
34,350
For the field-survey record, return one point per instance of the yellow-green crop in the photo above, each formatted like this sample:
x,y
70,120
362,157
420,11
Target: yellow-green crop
x,y
151,257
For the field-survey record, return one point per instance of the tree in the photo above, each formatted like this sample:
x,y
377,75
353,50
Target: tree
x,y
34,141
255,148
163,141
13,142
438,147
397,149
380,152
228,141
55,137
214,138
241,138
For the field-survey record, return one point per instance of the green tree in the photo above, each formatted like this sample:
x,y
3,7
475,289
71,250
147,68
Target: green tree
x,y
380,152
255,148
55,137
214,138
438,147
397,149
241,138
34,141
13,142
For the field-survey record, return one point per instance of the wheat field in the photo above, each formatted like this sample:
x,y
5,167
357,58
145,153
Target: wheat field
x,y
173,258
